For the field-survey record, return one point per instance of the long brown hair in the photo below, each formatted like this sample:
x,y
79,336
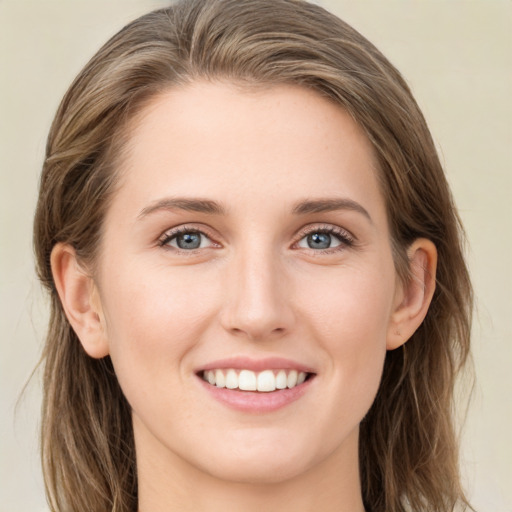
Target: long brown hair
x,y
408,447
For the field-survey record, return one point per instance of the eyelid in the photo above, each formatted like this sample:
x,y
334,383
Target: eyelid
x,y
169,234
346,238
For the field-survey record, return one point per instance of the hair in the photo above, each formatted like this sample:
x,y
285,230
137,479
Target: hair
x,y
408,445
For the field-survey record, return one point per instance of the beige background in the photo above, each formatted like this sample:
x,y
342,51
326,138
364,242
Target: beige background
x,y
456,56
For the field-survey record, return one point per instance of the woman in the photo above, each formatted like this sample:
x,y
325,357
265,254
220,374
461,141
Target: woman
x,y
259,297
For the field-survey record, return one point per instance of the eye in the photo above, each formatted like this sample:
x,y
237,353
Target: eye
x,y
186,239
319,240
325,238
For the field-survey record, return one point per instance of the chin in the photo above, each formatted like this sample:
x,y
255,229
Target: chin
x,y
264,461
257,471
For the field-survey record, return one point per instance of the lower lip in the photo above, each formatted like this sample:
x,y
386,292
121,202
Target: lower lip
x,y
257,402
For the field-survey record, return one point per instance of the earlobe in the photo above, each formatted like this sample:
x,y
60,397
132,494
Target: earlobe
x,y
415,296
79,297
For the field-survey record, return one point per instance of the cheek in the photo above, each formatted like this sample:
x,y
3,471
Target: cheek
x,y
153,319
352,305
349,316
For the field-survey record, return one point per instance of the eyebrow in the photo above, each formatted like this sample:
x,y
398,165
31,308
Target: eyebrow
x,y
188,204
210,207
329,205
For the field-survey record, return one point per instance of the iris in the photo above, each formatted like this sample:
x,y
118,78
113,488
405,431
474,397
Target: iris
x,y
319,241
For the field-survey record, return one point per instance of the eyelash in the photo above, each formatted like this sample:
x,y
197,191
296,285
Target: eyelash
x,y
171,235
345,238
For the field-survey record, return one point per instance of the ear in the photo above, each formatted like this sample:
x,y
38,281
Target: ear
x,y
80,300
413,298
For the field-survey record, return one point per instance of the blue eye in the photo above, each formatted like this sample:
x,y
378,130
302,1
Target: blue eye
x,y
326,238
319,240
187,240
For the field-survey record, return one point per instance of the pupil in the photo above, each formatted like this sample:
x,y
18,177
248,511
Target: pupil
x,y
319,241
189,241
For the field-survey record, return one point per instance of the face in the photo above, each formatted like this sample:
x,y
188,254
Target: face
x,y
246,281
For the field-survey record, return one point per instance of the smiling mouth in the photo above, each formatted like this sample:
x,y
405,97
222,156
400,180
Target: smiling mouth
x,y
265,381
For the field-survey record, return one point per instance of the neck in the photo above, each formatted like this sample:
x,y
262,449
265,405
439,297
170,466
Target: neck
x,y
168,483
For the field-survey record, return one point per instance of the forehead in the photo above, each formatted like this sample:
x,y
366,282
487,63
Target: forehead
x,y
281,143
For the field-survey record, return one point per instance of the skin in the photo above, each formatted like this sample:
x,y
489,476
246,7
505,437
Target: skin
x,y
254,288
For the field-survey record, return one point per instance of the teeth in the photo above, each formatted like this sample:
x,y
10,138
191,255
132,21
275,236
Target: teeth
x,y
231,379
281,380
292,379
247,380
266,381
220,380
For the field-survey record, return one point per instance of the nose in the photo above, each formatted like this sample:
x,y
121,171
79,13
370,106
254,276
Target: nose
x,y
258,304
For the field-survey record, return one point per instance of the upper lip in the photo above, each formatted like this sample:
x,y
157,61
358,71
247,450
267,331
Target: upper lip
x,y
256,365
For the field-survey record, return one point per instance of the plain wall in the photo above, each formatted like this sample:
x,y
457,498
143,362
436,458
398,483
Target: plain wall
x,y
455,56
